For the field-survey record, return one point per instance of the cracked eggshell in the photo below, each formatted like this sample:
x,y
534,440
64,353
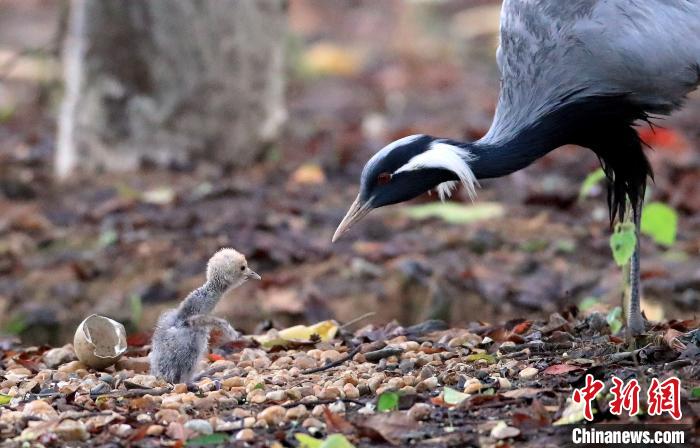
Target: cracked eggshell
x,y
99,341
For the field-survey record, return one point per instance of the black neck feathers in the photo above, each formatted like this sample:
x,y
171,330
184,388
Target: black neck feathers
x,y
603,124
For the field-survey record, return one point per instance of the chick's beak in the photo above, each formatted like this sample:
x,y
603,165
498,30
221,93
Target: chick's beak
x,y
357,211
251,274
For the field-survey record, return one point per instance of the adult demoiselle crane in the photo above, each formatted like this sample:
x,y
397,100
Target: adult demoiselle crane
x,y
572,72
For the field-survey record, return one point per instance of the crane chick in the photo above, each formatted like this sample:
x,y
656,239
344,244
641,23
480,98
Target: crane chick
x,y
181,335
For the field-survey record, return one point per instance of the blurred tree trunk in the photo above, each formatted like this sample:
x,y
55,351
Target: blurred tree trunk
x,y
168,81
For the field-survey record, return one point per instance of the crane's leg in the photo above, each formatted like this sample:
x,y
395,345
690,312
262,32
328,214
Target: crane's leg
x,y
633,288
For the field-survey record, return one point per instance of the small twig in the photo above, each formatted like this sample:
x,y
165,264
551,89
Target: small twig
x,y
356,320
615,357
538,347
326,401
386,352
135,392
335,363
678,363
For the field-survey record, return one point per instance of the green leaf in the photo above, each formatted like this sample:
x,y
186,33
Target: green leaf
x,y
456,213
614,319
108,238
217,438
452,396
573,413
695,393
588,303
332,441
479,356
622,242
660,222
590,182
136,307
4,399
337,441
388,401
306,441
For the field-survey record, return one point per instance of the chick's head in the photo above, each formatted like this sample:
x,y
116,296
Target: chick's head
x,y
228,268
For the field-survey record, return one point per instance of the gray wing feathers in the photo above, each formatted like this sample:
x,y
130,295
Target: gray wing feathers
x,y
553,52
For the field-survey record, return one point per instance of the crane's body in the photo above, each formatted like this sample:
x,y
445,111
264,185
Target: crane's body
x,y
572,72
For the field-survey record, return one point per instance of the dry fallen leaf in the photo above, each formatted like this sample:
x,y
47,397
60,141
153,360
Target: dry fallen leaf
x,y
560,369
391,426
308,174
325,331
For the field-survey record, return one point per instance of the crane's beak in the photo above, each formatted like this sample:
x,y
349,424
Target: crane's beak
x,y
358,210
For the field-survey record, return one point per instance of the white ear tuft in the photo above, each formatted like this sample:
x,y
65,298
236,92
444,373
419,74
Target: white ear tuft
x,y
448,157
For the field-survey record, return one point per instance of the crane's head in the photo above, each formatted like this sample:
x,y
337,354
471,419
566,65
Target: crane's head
x,y
228,268
405,169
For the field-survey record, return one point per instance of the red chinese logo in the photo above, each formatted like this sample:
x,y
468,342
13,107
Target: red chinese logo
x,y
662,396
624,397
587,394
665,397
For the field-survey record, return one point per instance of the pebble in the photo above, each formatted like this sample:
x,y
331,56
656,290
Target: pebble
x,y
137,364
261,363
312,423
328,393
100,388
39,409
144,418
71,431
337,407
420,411
180,388
427,384
72,367
283,362
408,390
504,383
256,396
276,395
57,356
121,430
374,384
175,431
472,386
245,435
234,381
407,365
330,356
272,415
200,426
167,415
155,430
528,373
426,372
296,413
241,413
351,391
147,381
503,431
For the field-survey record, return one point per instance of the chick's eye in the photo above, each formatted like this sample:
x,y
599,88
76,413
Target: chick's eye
x,y
242,268
383,178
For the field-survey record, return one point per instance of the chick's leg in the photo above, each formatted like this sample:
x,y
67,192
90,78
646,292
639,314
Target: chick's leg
x,y
204,320
633,291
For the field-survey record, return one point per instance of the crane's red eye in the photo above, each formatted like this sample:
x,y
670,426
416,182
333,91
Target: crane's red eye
x,y
383,178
